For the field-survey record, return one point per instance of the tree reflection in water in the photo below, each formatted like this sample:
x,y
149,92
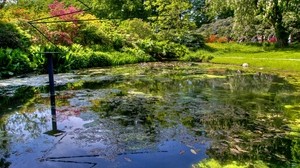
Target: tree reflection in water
x,y
134,111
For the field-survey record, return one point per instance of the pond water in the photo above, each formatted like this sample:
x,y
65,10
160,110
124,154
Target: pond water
x,y
151,115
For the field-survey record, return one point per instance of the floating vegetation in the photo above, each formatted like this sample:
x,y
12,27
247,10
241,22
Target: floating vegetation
x,y
230,117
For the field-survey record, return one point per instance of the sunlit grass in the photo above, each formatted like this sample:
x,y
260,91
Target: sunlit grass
x,y
269,58
268,63
212,163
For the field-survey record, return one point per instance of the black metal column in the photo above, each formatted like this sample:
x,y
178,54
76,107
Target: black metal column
x,y
52,90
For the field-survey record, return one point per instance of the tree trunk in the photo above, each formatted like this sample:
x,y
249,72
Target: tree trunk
x,y
281,34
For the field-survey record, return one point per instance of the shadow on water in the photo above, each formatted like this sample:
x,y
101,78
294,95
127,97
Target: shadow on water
x,y
134,116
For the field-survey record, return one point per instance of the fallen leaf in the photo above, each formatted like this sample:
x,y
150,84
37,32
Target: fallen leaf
x,y
181,152
190,146
234,151
282,157
238,148
127,159
224,144
194,151
237,140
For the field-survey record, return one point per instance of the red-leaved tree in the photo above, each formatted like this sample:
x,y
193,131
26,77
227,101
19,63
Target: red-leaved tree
x,y
64,32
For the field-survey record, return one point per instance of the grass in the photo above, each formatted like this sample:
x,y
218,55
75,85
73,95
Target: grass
x,y
268,58
284,62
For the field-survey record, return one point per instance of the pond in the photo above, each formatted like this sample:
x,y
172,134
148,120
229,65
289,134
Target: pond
x,y
151,115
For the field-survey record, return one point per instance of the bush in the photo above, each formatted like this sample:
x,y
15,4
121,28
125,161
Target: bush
x,y
192,40
14,62
20,62
99,59
295,45
37,58
221,27
199,56
138,55
79,56
103,48
222,40
121,58
136,29
11,36
5,57
118,42
118,58
61,58
5,61
212,39
162,50
141,55
95,32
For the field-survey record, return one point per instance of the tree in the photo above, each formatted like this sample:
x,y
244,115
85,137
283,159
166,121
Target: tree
x,y
198,12
11,36
63,33
120,9
273,12
170,14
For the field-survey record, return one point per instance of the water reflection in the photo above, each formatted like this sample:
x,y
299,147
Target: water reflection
x,y
132,117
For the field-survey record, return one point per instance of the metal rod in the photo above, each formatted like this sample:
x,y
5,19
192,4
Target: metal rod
x,y
56,16
52,90
43,35
63,21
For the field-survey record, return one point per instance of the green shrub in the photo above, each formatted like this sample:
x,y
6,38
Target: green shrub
x,y
20,62
5,61
14,62
295,45
79,61
99,59
103,48
162,50
97,32
5,57
136,29
191,40
121,58
199,56
118,58
138,53
61,59
11,36
91,34
37,58
118,42
79,56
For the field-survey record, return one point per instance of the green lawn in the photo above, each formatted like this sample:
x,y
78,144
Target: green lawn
x,y
268,58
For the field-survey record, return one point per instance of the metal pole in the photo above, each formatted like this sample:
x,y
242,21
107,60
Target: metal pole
x,y
52,90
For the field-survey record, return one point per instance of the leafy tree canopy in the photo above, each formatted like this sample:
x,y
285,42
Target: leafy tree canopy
x,y
272,12
120,9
